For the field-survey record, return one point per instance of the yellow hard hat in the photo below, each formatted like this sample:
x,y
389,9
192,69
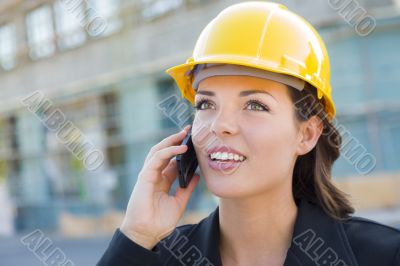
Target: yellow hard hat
x,y
261,35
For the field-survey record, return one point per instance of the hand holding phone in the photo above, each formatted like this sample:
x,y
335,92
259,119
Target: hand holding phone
x,y
152,212
187,162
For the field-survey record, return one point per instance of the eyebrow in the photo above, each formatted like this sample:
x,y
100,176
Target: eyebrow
x,y
241,94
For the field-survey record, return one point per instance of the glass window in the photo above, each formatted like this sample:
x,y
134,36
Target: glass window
x,y
173,114
7,46
69,178
107,10
69,31
10,164
40,32
5,137
389,138
356,144
156,8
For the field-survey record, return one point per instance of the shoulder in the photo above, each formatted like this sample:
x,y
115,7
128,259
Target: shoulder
x,y
195,233
372,240
189,231
190,241
206,226
371,232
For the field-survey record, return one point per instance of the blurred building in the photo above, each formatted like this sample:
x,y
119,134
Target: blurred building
x,y
102,63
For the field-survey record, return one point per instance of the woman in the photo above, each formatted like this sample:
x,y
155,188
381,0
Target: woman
x,y
259,80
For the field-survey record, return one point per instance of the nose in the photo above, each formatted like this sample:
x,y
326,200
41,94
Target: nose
x,y
224,123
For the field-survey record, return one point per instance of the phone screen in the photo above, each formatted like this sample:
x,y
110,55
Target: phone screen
x,y
187,162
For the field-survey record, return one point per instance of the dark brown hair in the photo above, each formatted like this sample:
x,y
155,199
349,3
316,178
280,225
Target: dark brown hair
x,y
312,174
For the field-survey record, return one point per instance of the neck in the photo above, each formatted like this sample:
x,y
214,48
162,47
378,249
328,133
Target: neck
x,y
257,228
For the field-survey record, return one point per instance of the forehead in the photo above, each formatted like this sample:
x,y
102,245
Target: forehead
x,y
235,84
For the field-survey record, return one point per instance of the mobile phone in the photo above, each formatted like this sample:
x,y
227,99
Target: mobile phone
x,y
187,162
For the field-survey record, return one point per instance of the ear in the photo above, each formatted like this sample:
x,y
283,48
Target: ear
x,y
310,131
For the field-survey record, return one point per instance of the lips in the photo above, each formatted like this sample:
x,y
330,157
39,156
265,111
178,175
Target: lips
x,y
225,167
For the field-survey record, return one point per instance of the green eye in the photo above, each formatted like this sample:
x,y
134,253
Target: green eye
x,y
254,105
202,104
257,106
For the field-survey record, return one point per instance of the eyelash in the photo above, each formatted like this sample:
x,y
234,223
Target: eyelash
x,y
201,101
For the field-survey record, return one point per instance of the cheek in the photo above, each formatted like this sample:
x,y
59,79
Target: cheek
x,y
202,118
197,123
270,143
270,156
201,135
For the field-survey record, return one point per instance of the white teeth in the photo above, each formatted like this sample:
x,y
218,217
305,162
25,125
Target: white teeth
x,y
226,156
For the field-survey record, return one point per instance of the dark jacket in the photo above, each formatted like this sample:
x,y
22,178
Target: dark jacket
x,y
318,239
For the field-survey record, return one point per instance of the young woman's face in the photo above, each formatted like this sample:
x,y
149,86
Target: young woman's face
x,y
253,116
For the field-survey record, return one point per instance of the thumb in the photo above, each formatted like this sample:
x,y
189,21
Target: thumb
x,y
182,195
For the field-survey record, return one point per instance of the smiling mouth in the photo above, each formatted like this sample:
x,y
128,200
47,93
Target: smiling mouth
x,y
224,157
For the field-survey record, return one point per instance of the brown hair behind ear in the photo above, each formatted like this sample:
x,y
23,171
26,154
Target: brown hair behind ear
x,y
312,174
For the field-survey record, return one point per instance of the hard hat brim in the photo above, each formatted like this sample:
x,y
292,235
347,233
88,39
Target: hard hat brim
x,y
183,78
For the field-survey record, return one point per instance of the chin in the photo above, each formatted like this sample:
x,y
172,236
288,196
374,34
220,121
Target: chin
x,y
237,186
226,186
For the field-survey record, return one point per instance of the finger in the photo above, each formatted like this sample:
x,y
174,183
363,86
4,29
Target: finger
x,y
172,140
169,175
168,141
182,195
162,157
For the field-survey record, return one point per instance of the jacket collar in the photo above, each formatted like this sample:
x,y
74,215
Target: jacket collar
x,y
317,239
